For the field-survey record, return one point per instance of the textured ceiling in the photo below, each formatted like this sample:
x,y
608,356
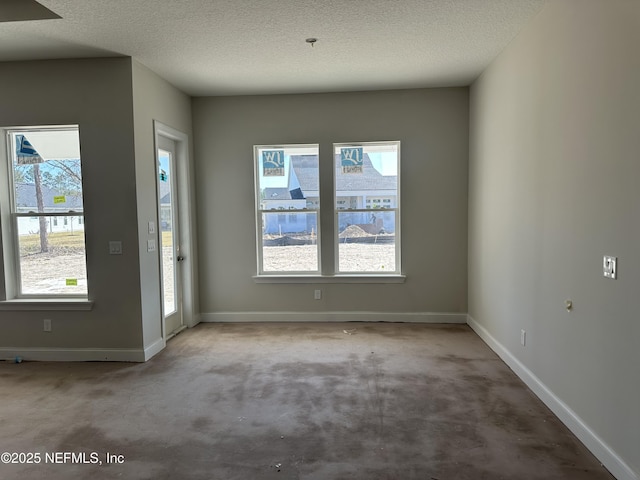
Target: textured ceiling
x,y
228,47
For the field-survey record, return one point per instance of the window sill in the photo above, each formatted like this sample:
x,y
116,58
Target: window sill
x,y
396,278
35,304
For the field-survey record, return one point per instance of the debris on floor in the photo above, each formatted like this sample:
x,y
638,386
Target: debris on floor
x,y
350,331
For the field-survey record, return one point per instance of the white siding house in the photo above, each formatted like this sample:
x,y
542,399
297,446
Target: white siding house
x,y
368,190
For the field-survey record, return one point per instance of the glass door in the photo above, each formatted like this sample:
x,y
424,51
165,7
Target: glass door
x,y
169,236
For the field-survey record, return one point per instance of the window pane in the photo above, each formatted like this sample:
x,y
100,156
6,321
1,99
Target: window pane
x,y
288,199
367,206
167,236
289,242
54,262
367,242
288,177
366,176
46,171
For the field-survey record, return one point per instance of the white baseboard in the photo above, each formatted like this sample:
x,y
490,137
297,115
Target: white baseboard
x,y
153,349
411,317
73,354
580,429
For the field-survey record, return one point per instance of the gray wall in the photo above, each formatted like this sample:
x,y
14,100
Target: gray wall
x,y
554,169
96,94
115,101
432,125
153,99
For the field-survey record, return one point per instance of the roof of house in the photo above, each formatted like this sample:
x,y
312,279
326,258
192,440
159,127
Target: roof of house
x,y
369,179
306,169
165,192
26,198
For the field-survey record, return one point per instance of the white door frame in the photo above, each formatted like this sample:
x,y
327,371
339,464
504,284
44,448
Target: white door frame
x,y
187,239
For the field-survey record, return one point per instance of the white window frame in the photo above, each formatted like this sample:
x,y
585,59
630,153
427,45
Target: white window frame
x,y
10,216
321,276
338,210
289,211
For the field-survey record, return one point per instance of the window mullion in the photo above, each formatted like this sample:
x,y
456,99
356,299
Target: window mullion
x,y
48,214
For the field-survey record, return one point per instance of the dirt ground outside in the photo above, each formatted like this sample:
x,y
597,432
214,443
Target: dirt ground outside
x,y
167,279
47,273
353,257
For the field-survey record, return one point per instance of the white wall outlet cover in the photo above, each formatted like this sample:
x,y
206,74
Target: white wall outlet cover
x,y
610,267
115,248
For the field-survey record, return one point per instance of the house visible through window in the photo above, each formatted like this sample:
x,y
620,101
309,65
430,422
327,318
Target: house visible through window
x,y
366,223
45,183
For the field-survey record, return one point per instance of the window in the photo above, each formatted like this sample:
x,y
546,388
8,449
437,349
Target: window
x,y
45,183
367,228
287,178
366,199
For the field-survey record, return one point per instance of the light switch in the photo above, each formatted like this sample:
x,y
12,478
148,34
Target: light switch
x,y
610,267
151,245
115,248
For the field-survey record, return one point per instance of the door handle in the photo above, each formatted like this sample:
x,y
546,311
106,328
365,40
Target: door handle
x,y
179,258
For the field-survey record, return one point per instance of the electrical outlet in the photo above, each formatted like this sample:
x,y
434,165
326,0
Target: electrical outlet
x,y
47,324
115,247
523,338
317,294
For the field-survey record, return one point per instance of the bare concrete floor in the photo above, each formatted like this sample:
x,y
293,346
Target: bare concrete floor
x,y
290,401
